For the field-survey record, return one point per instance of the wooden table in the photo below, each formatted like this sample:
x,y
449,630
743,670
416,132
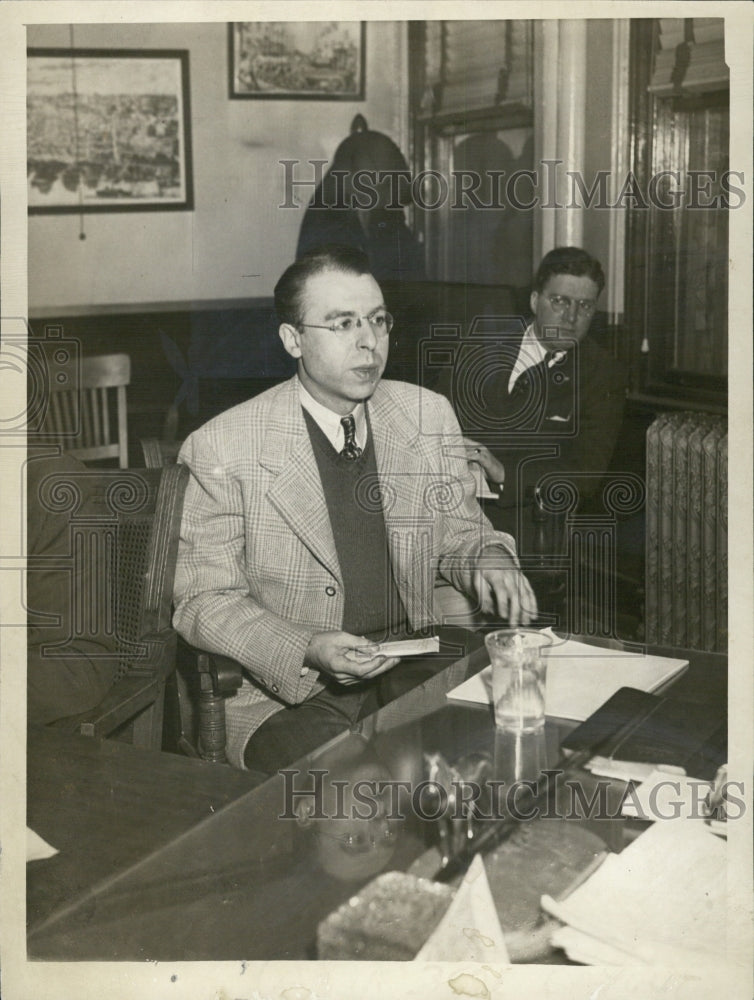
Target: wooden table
x,y
167,858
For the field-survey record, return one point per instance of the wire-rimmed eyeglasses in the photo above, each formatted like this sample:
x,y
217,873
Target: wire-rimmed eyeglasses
x,y
563,303
380,321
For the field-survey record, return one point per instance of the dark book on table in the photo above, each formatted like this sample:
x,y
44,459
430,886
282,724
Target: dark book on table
x,y
634,727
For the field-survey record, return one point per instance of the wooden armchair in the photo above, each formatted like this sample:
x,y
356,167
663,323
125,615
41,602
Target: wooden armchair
x,y
219,677
203,680
90,420
120,552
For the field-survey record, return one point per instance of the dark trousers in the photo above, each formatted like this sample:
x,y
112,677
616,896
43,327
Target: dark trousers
x,y
296,731
60,687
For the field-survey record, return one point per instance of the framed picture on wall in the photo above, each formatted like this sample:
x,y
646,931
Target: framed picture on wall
x,y
286,60
108,130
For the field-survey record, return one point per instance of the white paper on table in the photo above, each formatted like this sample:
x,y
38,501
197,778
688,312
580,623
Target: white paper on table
x,y
623,770
470,929
38,849
580,678
585,949
410,647
664,795
661,901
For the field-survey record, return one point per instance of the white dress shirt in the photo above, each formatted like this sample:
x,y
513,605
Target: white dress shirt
x,y
329,422
530,353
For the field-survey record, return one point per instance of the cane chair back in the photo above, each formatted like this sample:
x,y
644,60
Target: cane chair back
x,y
123,529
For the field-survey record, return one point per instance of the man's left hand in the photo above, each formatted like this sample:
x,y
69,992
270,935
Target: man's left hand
x,y
502,589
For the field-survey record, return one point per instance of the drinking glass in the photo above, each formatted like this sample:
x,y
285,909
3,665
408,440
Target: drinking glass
x,y
518,659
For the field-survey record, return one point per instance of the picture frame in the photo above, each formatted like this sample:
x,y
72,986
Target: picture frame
x,y
300,61
108,130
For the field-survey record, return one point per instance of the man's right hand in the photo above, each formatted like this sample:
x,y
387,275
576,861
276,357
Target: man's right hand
x,y
494,470
348,659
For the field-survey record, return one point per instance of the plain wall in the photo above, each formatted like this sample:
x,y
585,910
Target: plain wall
x,y
236,241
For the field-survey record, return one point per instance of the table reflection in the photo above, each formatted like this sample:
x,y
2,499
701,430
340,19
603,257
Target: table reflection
x,y
350,819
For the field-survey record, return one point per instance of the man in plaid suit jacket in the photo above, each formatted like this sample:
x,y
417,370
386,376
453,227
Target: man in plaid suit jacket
x,y
267,569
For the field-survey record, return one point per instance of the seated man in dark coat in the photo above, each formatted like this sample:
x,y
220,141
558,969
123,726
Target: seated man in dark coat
x,y
67,673
542,399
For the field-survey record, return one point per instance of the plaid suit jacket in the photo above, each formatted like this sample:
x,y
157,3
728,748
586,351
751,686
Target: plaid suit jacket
x,y
258,571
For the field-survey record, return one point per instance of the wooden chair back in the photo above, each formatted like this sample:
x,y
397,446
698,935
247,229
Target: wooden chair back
x,y
123,529
90,421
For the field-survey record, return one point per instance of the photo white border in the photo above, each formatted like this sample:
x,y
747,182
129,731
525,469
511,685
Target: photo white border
x,y
309,981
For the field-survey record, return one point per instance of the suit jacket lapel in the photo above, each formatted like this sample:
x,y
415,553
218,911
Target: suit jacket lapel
x,y
403,472
405,477
296,492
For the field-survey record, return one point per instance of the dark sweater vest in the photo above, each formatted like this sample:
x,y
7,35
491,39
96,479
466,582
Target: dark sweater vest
x,y
373,605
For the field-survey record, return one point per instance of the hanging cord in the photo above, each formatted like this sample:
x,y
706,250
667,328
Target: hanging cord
x,y
76,145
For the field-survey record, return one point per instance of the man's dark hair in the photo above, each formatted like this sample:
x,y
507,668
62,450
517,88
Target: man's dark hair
x,y
328,257
569,260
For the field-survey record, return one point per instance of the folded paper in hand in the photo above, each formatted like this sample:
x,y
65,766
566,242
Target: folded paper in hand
x,y
409,647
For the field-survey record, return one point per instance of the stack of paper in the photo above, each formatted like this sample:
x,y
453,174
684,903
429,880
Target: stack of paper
x,y
628,770
662,901
580,677
664,795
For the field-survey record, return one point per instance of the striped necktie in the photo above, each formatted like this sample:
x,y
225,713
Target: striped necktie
x,y
351,450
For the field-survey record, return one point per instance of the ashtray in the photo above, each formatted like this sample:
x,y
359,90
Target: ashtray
x,y
388,920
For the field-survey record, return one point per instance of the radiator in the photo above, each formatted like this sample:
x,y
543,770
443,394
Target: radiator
x,y
687,532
